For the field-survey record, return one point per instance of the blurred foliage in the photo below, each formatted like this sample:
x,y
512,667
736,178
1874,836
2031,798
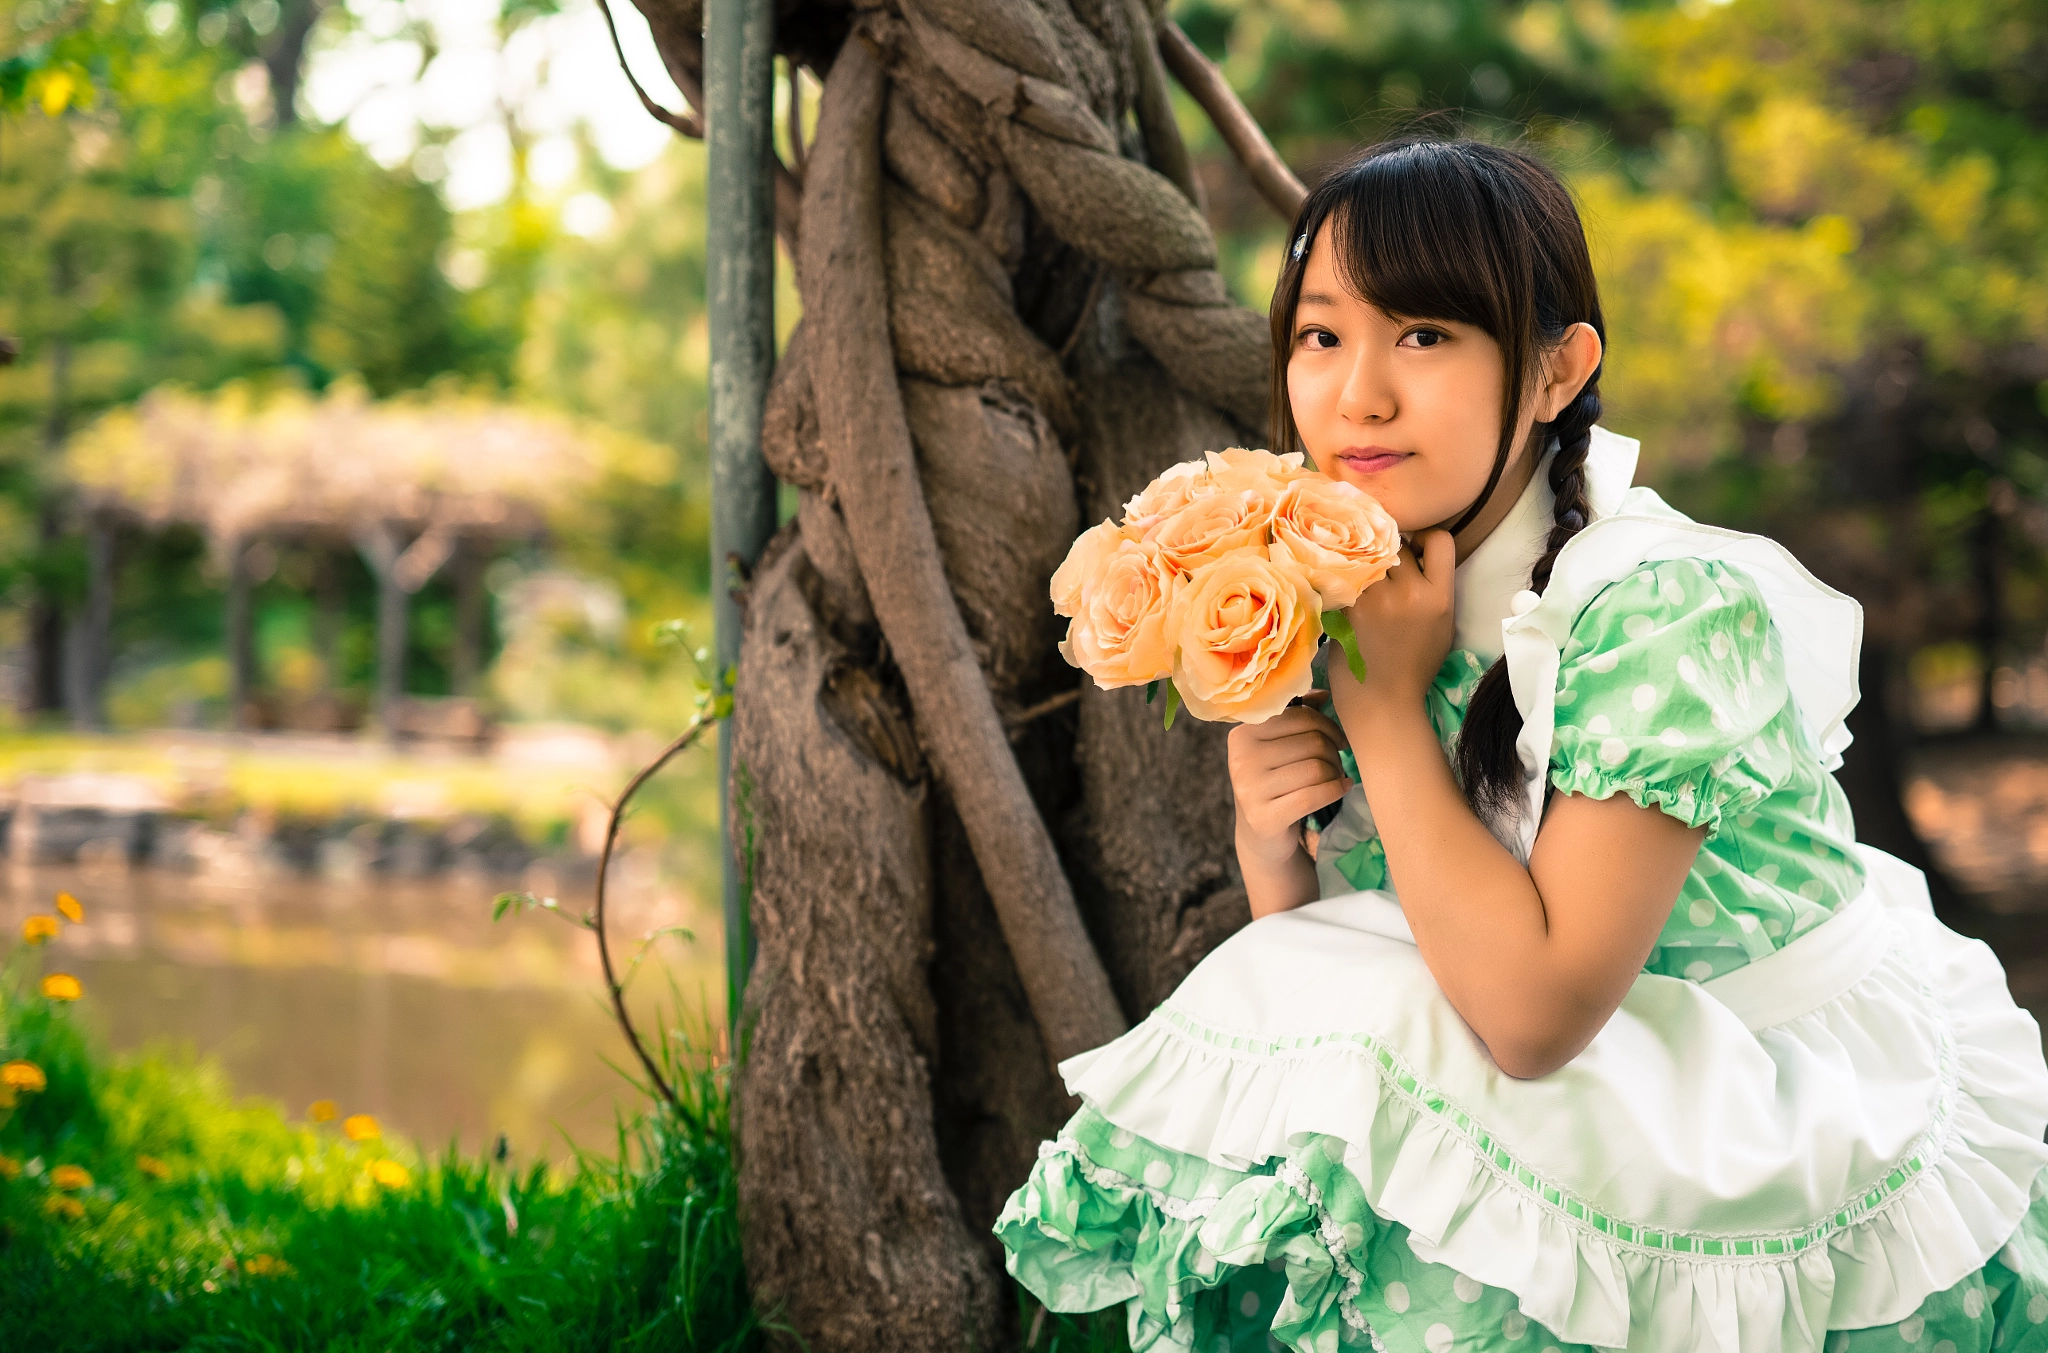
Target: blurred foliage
x,y
178,226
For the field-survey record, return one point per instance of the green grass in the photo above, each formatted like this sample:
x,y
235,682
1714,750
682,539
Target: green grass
x,y
216,1224
220,1224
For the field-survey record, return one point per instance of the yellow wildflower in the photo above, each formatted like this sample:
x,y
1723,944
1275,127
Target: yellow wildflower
x,y
68,1177
23,1076
10,1168
390,1174
68,904
152,1167
62,986
39,927
322,1110
266,1266
360,1127
57,1205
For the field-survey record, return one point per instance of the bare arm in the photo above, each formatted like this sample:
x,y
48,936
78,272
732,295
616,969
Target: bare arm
x,y
1536,960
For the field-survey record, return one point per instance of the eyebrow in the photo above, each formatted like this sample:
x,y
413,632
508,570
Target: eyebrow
x,y
1315,298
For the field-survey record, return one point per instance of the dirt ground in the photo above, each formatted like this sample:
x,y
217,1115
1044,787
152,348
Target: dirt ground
x,y
1982,804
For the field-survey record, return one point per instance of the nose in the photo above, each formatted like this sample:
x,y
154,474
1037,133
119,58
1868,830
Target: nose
x,y
1368,394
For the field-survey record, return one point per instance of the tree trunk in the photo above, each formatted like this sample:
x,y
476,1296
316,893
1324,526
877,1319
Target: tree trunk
x,y
392,604
43,691
284,57
241,637
1873,774
96,638
46,627
401,568
1011,324
1987,547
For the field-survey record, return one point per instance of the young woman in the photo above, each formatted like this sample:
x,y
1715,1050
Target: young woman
x,y
1586,1023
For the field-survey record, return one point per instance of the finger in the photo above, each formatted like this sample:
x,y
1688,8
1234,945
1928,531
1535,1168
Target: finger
x,y
1299,804
1305,749
1315,754
1439,558
1295,720
1281,781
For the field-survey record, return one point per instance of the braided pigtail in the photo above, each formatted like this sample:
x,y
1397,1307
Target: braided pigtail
x,y
1488,763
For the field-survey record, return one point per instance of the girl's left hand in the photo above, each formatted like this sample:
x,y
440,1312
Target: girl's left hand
x,y
1404,624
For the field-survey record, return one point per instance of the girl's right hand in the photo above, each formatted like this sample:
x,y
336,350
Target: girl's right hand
x,y
1281,771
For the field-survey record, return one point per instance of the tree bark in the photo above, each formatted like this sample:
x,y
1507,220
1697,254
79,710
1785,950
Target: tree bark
x,y
960,873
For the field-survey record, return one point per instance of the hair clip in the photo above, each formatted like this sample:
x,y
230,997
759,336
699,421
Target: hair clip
x,y
1300,245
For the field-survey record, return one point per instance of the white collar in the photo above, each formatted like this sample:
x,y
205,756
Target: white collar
x,y
1499,566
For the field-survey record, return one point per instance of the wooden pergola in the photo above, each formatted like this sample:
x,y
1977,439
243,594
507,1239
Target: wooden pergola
x,y
413,485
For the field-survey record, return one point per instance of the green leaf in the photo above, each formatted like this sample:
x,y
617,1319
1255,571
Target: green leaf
x,y
1151,689
1338,626
1172,702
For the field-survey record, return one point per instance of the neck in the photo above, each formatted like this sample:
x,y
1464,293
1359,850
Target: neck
x,y
1513,480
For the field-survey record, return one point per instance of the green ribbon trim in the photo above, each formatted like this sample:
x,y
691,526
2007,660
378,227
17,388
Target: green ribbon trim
x,y
1419,1094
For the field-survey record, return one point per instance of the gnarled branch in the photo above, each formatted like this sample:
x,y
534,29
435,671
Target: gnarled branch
x,y
1234,122
867,440
689,122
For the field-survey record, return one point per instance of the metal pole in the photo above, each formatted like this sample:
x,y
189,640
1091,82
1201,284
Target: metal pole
x,y
739,80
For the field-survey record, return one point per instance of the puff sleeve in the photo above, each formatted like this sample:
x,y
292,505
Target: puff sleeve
x,y
1666,689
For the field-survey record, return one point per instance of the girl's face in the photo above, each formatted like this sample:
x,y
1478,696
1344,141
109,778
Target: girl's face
x,y
1407,409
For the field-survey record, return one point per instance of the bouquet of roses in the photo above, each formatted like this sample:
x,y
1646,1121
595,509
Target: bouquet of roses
x,y
1222,579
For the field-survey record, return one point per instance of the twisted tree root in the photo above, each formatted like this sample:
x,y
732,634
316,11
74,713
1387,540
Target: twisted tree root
x,y
867,440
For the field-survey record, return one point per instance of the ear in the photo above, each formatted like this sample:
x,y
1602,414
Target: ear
x,y
1566,369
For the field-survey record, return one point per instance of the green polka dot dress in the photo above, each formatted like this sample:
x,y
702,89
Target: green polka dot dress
x,y
1815,1123
1672,692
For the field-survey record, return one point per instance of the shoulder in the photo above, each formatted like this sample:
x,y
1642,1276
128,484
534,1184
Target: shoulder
x,y
1672,602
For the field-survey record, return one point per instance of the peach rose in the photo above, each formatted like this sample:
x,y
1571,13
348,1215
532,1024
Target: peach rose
x,y
1166,495
1083,565
1119,632
1245,628
1212,526
1240,467
1337,534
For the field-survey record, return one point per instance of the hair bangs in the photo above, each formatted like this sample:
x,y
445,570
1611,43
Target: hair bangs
x,y
1412,237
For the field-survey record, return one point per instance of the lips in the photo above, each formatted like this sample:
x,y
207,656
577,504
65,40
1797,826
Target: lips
x,y
1371,459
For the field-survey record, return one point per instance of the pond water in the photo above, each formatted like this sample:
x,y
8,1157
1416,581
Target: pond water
x,y
394,993
398,997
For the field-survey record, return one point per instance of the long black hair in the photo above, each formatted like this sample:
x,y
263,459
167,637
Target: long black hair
x,y
1481,235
